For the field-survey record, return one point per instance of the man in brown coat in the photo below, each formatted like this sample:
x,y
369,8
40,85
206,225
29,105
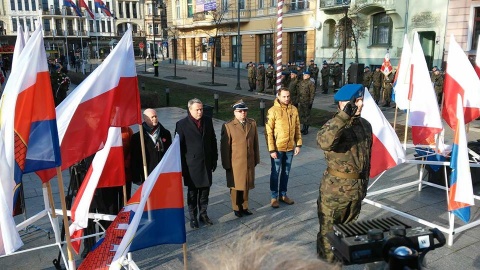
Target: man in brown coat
x,y
240,154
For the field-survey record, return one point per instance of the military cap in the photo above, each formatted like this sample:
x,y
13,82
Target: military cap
x,y
240,105
336,63
285,73
349,91
306,72
312,60
367,67
294,72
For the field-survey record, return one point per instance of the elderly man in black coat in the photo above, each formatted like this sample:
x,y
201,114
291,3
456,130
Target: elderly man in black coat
x,y
157,140
198,146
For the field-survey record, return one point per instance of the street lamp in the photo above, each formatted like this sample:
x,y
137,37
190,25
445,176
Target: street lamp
x,y
238,87
346,3
155,7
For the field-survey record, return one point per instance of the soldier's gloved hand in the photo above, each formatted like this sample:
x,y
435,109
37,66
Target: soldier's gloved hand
x,y
214,166
350,108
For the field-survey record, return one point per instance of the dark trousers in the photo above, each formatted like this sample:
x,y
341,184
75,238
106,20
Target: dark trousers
x,y
156,71
197,200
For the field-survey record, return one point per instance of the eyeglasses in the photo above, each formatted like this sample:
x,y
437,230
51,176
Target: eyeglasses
x,y
241,111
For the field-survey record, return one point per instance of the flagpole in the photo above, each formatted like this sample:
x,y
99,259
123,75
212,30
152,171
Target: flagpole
x,y
81,44
124,187
145,171
395,117
185,260
71,261
66,35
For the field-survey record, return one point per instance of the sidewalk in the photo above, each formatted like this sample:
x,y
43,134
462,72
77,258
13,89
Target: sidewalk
x,y
296,223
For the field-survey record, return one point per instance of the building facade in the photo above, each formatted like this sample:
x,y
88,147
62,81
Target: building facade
x,y
380,25
199,36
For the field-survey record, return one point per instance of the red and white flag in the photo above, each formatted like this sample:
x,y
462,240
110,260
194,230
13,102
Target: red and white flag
x,y
424,112
387,151
477,58
460,79
19,45
107,170
386,65
108,97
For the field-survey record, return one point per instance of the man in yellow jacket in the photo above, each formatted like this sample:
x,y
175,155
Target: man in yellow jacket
x,y
282,133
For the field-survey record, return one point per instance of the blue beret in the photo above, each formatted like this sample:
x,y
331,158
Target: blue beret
x,y
285,73
306,72
349,91
293,71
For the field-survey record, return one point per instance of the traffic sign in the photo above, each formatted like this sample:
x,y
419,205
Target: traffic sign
x,y
141,45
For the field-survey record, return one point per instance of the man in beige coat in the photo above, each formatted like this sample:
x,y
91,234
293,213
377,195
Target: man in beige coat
x,y
240,154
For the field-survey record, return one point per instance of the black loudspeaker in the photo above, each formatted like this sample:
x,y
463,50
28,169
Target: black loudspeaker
x,y
355,74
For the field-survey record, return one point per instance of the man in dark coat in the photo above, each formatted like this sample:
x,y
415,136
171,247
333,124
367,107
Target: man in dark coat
x,y
157,139
198,147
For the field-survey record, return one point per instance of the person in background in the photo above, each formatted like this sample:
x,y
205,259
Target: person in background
x,y
377,79
367,77
437,80
240,154
60,84
346,140
251,73
260,78
337,76
155,66
306,94
198,147
282,133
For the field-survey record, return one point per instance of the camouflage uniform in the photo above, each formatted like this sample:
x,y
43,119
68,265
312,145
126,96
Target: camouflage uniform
x,y
260,78
347,144
325,77
437,80
337,76
314,71
367,78
252,71
285,82
270,73
293,88
306,94
377,78
387,89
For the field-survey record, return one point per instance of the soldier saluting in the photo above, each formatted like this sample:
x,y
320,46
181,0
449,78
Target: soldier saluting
x,y
346,140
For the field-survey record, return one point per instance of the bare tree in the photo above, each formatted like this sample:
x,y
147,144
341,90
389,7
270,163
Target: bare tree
x,y
173,33
357,28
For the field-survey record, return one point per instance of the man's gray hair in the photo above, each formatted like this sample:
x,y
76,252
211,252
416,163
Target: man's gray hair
x,y
193,101
257,251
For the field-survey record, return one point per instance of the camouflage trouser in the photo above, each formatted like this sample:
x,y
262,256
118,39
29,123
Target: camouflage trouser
x,y
387,94
251,83
376,93
260,85
339,202
270,82
304,111
439,94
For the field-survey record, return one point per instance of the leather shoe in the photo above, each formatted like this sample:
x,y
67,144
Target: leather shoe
x,y
246,212
274,203
238,213
287,200
194,224
206,220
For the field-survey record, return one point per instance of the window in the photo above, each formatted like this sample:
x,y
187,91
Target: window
x,y
261,4
225,5
14,24
273,3
236,55
242,4
34,5
190,8
177,9
299,5
266,48
27,6
44,5
329,33
476,28
12,4
46,25
382,29
298,47
19,2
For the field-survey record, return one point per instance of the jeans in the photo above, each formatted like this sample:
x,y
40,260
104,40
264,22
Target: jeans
x,y
281,166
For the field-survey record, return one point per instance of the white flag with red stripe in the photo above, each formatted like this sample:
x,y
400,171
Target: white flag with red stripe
x,y
108,97
424,112
460,79
19,45
387,151
107,165
402,82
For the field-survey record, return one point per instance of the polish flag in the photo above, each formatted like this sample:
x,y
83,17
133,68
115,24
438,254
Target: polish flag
x,y
386,65
402,82
89,11
460,196
153,216
387,151
108,97
28,132
424,112
19,45
107,170
460,79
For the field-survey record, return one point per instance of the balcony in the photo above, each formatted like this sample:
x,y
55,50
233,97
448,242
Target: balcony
x,y
369,5
332,5
205,19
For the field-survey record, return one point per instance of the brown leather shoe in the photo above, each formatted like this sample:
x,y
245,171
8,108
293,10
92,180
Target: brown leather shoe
x,y
287,200
274,203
